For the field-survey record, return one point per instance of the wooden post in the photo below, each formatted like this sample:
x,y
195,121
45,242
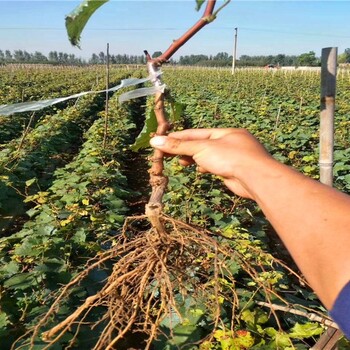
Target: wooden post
x,y
328,340
234,53
328,88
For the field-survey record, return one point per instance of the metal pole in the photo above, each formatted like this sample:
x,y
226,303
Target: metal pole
x,y
234,53
328,90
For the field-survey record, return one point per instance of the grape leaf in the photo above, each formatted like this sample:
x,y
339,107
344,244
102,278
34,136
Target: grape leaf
x,y
307,330
142,141
77,19
199,4
21,281
3,320
177,109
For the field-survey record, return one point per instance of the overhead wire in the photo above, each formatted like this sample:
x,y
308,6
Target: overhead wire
x,y
180,28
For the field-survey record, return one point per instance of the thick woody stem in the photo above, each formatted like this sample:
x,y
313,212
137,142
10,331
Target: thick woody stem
x,y
206,18
158,181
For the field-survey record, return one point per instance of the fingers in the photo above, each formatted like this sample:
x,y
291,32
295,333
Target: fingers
x,y
200,134
186,160
172,145
201,170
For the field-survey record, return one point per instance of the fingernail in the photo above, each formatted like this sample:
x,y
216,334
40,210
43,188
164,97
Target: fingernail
x,y
158,141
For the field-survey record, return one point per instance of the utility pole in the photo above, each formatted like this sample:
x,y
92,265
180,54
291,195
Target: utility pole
x,y
234,52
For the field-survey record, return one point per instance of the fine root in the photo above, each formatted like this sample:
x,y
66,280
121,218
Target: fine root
x,y
153,273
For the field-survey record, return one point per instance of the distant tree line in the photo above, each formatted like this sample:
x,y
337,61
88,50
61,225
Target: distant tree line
x,y
54,57
62,58
222,59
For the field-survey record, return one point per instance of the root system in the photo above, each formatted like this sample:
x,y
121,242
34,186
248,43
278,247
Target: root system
x,y
153,273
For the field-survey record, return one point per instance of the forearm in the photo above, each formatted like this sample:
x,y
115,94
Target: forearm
x,y
312,219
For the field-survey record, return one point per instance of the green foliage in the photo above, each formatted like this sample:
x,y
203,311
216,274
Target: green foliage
x,y
27,163
308,59
150,126
175,112
77,19
182,329
199,4
253,100
79,199
69,223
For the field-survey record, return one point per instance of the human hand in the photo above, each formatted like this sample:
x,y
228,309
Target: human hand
x,y
233,154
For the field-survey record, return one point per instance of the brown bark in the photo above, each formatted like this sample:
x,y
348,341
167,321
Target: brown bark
x,y
206,18
158,181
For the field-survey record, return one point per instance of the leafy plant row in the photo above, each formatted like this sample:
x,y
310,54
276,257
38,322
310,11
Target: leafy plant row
x,y
33,157
22,85
282,111
30,160
30,83
83,207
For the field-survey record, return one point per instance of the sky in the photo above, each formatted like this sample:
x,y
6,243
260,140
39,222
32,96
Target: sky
x,y
130,26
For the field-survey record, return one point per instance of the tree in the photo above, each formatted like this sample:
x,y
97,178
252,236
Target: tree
x,y
27,57
157,54
308,59
18,56
102,57
53,57
279,59
94,59
38,57
344,57
8,56
221,56
347,53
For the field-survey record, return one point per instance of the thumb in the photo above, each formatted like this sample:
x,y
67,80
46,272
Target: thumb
x,y
174,146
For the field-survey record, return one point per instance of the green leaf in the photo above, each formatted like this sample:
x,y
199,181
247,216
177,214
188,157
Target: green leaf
x,y
80,236
347,178
77,19
310,329
254,318
30,182
177,111
199,4
21,281
244,340
3,320
10,268
282,341
142,141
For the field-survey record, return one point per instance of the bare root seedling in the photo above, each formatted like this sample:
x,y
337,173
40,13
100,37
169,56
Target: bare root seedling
x,y
153,273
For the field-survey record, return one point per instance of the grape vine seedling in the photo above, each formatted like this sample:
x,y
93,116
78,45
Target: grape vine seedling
x,y
169,283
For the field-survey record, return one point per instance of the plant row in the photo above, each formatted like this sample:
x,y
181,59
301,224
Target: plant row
x,y
282,110
22,85
70,221
29,161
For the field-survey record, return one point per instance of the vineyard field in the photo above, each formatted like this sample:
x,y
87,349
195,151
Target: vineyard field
x,y
69,178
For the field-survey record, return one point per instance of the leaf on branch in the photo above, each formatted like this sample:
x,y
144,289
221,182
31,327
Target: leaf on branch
x,y
142,141
199,4
77,19
177,109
